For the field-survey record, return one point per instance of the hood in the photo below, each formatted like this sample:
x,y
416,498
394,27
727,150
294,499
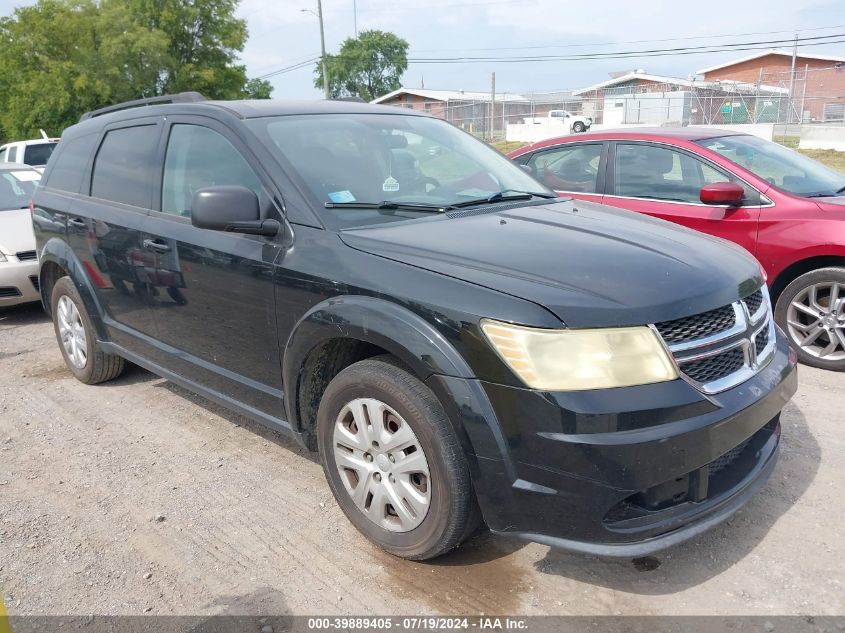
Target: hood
x,y
834,203
16,231
590,265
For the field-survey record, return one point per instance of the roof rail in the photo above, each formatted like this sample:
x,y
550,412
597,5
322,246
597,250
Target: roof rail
x,y
181,97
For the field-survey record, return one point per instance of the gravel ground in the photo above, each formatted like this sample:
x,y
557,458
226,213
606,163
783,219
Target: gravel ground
x,y
137,497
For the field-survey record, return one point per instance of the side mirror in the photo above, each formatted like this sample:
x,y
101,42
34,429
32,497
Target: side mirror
x,y
722,193
230,208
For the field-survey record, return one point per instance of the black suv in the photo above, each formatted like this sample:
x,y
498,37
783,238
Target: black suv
x,y
458,344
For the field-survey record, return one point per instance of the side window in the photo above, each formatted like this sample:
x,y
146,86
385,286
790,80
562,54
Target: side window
x,y
123,166
568,168
661,173
13,154
68,166
199,157
4,152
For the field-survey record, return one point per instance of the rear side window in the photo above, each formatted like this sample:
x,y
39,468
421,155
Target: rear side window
x,y
123,166
13,154
38,155
68,166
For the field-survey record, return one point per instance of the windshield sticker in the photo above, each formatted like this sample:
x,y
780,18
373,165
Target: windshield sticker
x,y
26,176
341,196
391,184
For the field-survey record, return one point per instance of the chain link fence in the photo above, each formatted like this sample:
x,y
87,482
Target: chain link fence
x,y
810,95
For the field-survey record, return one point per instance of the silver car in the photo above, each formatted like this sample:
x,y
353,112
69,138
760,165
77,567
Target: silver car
x,y
18,260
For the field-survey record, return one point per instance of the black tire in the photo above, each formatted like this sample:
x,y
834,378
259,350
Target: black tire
x,y
578,127
451,514
99,366
834,320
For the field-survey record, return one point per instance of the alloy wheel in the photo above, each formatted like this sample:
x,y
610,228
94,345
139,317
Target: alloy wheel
x,y
382,465
816,320
72,332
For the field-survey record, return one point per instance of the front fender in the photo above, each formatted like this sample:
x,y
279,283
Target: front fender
x,y
388,325
57,251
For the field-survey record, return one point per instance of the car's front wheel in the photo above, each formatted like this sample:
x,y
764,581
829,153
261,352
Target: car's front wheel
x,y
578,127
393,461
812,312
77,339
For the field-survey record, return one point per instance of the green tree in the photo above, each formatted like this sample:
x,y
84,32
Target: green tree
x,y
258,89
60,58
367,66
204,39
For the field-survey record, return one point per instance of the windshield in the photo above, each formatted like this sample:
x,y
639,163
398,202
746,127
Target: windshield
x,y
392,161
17,187
781,167
38,154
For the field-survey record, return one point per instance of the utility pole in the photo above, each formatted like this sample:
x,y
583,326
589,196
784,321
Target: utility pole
x,y
792,78
492,105
323,50
803,95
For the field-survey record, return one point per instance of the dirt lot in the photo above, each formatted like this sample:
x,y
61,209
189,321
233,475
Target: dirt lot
x,y
137,497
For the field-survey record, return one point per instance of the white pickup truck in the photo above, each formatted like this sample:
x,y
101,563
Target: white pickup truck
x,y
573,122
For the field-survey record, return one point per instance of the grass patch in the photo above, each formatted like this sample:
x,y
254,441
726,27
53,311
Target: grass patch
x,y
508,146
830,157
788,141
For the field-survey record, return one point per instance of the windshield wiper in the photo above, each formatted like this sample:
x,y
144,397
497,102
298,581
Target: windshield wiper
x,y
840,190
387,205
502,196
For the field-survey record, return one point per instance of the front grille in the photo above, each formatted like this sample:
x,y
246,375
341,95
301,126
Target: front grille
x,y
697,326
721,348
715,367
34,280
761,341
753,302
26,256
9,291
723,461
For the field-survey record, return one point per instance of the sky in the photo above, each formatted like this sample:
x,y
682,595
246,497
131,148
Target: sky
x,y
282,34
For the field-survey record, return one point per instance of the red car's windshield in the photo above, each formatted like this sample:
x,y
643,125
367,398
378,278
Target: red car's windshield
x,y
778,165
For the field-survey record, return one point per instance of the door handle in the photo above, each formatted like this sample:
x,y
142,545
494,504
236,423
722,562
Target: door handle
x,y
159,246
79,222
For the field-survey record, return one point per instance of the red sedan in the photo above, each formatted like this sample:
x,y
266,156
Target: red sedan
x,y
786,209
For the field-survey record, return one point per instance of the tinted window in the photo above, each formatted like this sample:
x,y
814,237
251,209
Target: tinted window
x,y
660,173
67,168
198,157
568,168
122,167
38,154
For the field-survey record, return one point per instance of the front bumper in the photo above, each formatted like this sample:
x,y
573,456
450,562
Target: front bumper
x,y
18,281
621,472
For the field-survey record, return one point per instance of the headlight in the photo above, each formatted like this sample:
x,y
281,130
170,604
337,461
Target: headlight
x,y
575,360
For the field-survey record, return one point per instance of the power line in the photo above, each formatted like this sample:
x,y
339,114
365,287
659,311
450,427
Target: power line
x,y
659,41
640,53
595,56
